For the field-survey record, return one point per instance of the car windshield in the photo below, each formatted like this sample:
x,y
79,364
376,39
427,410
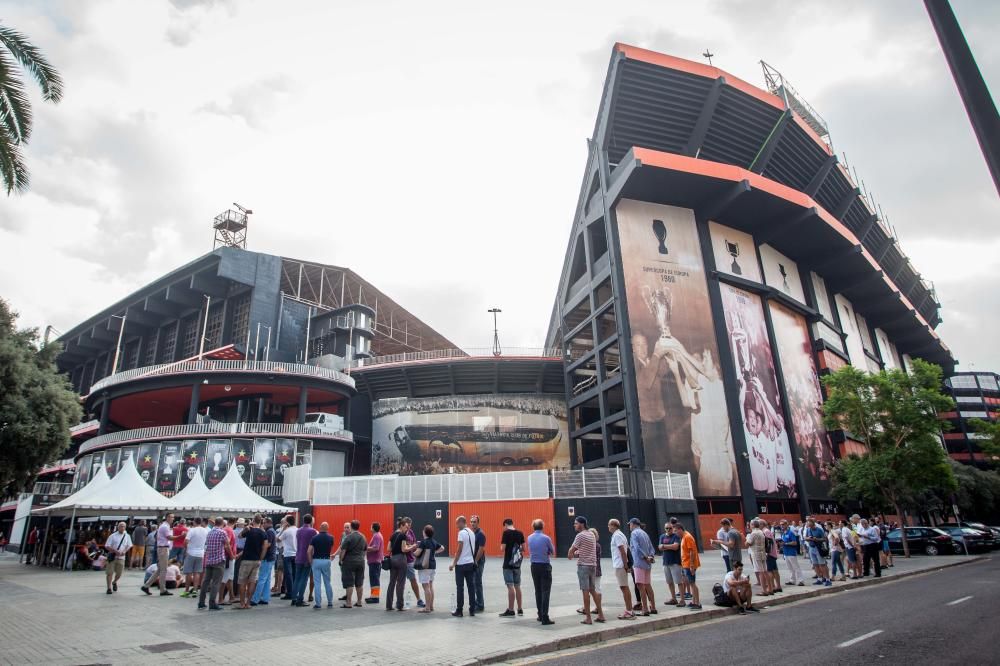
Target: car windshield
x,y
312,418
894,534
939,531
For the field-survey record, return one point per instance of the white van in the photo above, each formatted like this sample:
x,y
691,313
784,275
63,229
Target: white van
x,y
321,422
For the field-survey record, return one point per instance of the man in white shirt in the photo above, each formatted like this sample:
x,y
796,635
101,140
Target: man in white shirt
x,y
289,547
870,538
619,560
464,566
194,543
737,586
117,547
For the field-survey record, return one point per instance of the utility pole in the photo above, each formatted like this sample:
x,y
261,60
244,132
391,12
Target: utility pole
x,y
971,86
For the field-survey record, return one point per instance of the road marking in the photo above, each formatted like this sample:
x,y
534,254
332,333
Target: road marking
x,y
958,601
860,638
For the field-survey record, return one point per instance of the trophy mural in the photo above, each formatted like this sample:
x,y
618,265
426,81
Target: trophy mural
x,y
660,231
733,249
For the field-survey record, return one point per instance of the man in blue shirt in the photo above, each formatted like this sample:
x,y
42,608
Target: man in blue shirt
x,y
815,537
643,556
790,550
670,546
540,551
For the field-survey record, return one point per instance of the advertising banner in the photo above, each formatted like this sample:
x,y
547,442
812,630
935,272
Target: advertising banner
x,y
469,433
129,454
263,456
194,460
111,457
771,465
216,461
83,470
242,456
284,457
735,252
170,463
805,399
149,456
682,400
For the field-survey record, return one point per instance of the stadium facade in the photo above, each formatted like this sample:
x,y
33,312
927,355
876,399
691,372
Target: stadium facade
x,y
720,261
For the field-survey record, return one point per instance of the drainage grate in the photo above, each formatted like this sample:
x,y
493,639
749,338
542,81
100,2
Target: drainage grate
x,y
168,647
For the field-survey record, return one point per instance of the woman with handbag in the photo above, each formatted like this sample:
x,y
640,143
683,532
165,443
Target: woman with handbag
x,y
426,566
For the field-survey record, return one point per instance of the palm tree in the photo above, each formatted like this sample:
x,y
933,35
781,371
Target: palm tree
x,y
15,109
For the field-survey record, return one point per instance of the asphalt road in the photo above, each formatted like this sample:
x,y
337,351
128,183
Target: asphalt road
x,y
948,617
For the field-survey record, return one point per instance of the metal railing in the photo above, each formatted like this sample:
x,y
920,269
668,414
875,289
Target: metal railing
x,y
482,487
79,427
210,429
52,488
477,352
185,367
618,482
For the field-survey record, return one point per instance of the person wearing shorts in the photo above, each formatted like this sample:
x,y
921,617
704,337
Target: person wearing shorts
x,y
643,556
585,549
425,553
118,545
620,561
670,546
512,540
690,561
353,548
411,572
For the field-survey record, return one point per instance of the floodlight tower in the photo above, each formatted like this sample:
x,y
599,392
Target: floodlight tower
x,y
231,227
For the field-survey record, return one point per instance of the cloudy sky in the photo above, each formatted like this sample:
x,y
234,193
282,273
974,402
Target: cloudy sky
x,y
437,148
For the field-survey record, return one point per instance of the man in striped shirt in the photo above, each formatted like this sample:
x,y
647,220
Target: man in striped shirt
x,y
217,550
585,548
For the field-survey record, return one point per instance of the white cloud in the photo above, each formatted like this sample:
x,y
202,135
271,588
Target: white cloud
x,y
437,149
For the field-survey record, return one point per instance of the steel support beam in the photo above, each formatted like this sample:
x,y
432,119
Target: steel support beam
x,y
693,146
817,180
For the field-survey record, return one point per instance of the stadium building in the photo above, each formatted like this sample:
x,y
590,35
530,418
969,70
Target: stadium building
x,y
721,260
977,397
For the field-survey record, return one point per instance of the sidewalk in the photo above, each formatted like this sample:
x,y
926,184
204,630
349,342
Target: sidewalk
x,y
56,617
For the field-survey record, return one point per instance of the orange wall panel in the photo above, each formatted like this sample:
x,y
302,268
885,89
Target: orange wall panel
x,y
492,514
338,514
709,524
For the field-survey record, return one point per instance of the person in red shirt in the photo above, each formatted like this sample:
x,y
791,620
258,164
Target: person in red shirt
x,y
177,546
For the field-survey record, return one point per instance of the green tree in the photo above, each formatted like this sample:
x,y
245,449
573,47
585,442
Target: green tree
x,y
15,109
895,415
37,405
989,443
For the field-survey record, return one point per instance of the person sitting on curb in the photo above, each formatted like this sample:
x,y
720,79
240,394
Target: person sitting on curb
x,y
738,587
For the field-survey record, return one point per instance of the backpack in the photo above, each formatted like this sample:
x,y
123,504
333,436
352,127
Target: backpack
x,y
721,598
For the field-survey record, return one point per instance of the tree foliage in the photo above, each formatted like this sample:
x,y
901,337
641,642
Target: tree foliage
x,y
15,108
895,415
37,404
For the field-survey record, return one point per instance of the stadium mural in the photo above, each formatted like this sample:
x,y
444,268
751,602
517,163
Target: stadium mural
x,y
766,432
469,433
781,273
735,252
682,401
805,399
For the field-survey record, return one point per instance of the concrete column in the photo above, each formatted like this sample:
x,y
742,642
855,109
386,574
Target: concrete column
x,y
303,398
260,410
195,399
105,414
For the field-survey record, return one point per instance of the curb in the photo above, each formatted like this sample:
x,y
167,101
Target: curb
x,y
659,624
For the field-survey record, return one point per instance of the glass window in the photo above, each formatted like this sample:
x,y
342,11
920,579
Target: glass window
x,y
988,382
962,382
973,415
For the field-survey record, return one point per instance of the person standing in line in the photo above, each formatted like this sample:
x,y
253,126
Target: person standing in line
x,y
513,554
540,550
375,551
179,533
262,591
138,555
815,538
670,546
464,565
870,540
240,533
254,545
836,551
289,548
425,553
318,558
303,569
278,550
771,556
480,558
226,593
194,558
620,561
397,566
352,564
411,572
849,540
643,556
689,563
755,543
217,551
117,546
729,537
790,551
855,526
164,535
585,549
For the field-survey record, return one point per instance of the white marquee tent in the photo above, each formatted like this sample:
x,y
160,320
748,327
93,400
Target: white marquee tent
x,y
233,495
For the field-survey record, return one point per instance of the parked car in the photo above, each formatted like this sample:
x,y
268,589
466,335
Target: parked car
x,y
927,540
991,539
968,538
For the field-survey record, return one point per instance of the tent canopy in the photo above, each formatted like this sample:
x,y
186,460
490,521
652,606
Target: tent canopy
x,y
233,495
193,495
65,506
125,493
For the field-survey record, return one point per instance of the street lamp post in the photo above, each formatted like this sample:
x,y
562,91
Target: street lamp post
x,y
118,345
496,336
